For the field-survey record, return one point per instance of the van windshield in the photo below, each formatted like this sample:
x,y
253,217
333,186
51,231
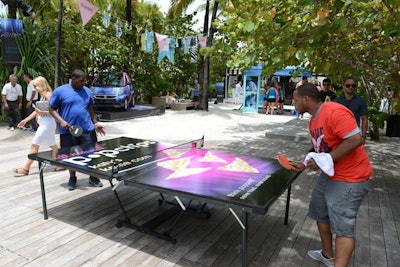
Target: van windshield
x,y
109,79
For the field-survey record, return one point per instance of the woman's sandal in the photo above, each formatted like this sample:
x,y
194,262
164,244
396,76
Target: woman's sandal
x,y
57,169
21,171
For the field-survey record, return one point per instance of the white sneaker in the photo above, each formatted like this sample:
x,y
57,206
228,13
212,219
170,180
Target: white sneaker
x,y
12,128
317,255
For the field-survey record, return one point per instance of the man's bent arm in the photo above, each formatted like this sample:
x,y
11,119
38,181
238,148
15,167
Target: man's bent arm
x,y
346,147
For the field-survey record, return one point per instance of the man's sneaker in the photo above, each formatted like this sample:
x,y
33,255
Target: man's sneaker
x,y
71,183
24,128
95,181
12,128
317,255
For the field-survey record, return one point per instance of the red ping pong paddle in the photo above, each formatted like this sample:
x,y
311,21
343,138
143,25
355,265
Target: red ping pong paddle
x,y
283,160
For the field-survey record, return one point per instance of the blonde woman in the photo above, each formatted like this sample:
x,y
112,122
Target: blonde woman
x,y
45,134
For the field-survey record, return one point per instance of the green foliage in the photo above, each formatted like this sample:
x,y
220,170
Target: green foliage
x,y
329,37
375,116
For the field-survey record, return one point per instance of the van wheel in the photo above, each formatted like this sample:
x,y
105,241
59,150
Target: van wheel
x,y
126,104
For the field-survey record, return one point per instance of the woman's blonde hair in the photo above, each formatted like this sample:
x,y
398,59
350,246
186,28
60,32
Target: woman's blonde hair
x,y
41,85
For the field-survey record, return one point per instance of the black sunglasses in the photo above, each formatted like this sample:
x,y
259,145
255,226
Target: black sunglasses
x,y
351,85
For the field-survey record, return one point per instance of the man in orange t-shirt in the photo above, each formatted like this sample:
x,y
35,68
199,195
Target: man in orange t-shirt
x,y
336,198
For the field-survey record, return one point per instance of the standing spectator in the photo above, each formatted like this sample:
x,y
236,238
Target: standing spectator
x,y
196,94
12,101
72,105
45,135
31,98
304,80
344,180
271,97
281,94
237,93
355,103
327,94
317,85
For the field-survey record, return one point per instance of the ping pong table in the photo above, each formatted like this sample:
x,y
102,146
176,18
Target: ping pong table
x,y
186,171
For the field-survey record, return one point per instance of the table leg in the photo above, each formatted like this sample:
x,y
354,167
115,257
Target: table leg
x,y
119,201
245,216
43,190
287,204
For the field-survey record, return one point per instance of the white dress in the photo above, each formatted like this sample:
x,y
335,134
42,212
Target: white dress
x,y
46,132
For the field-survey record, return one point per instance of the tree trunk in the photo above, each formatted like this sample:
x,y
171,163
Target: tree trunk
x,y
58,45
206,61
12,9
374,131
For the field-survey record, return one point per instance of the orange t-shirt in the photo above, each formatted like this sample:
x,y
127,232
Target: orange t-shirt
x,y
328,129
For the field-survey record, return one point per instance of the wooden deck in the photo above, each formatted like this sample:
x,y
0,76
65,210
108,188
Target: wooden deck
x,y
81,228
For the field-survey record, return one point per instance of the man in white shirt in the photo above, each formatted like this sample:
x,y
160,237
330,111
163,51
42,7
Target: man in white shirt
x,y
31,98
12,101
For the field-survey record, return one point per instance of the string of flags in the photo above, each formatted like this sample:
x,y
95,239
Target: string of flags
x,y
166,44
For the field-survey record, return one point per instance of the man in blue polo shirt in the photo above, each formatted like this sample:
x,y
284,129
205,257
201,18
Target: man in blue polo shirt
x,y
72,105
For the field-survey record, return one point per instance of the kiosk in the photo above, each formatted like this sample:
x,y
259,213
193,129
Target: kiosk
x,y
251,85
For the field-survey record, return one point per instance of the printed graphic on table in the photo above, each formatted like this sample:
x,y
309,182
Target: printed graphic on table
x,y
188,169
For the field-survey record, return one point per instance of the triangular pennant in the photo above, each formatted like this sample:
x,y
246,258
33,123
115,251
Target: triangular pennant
x,y
162,41
203,41
87,10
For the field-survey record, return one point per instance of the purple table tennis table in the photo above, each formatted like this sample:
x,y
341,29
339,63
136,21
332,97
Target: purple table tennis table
x,y
186,171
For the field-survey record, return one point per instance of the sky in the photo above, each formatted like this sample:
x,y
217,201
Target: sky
x,y
165,4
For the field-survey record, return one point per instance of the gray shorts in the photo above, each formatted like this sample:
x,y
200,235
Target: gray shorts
x,y
336,203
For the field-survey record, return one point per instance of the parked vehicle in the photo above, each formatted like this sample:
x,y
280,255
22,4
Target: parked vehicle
x,y
113,89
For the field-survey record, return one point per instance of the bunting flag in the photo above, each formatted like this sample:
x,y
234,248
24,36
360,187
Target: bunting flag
x,y
193,50
87,10
118,29
186,43
143,42
106,19
107,16
168,51
203,41
162,41
149,39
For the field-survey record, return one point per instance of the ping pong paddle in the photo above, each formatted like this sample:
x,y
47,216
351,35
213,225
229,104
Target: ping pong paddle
x,y
76,130
283,160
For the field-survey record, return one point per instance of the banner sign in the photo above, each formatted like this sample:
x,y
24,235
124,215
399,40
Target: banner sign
x,y
11,29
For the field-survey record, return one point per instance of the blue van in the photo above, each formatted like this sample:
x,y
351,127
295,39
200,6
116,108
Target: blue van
x,y
113,89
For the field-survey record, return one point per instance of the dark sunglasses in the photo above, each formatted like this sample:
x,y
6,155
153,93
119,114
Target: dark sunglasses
x,y
351,85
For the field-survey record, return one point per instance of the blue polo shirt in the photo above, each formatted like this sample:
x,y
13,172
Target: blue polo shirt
x,y
72,105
